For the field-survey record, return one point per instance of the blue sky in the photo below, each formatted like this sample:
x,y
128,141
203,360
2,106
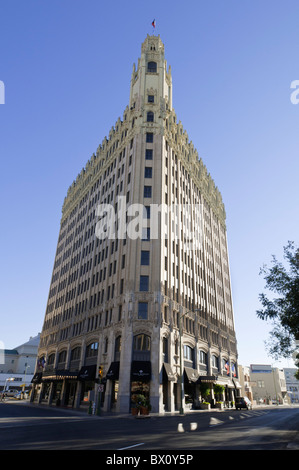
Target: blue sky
x,y
66,66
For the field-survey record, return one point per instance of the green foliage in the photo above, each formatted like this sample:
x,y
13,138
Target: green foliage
x,y
283,310
205,390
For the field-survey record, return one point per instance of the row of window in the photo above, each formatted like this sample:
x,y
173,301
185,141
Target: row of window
x,y
141,343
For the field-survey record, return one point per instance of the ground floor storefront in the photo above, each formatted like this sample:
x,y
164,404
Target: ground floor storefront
x,y
123,392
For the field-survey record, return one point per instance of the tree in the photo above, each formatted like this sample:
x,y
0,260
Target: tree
x,y
283,310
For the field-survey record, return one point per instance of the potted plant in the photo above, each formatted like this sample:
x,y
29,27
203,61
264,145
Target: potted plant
x,y
219,404
143,404
134,409
145,407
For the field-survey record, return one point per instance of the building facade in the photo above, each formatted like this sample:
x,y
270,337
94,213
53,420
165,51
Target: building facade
x,y
292,384
245,382
140,288
17,365
268,384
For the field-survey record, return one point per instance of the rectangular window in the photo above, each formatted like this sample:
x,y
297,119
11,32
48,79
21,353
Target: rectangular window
x,y
148,172
145,258
147,191
149,137
144,283
148,154
142,310
151,99
146,234
146,212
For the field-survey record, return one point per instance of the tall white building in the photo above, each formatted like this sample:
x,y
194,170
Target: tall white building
x,y
126,275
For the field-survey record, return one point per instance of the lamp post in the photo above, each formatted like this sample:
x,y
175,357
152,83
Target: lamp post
x,y
10,379
181,359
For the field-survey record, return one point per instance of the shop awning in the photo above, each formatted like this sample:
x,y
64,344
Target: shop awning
x,y
113,371
141,371
207,379
87,373
236,384
167,370
37,378
192,374
225,382
59,374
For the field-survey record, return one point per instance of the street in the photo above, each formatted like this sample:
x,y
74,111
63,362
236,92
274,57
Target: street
x,y
24,426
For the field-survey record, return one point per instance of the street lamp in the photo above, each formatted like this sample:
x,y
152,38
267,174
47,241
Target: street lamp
x,y
10,379
181,365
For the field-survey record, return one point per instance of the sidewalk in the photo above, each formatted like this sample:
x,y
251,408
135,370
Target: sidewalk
x,y
113,414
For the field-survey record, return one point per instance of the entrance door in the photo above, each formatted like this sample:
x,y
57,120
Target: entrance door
x,y
70,393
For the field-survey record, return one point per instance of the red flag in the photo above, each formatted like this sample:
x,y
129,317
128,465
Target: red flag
x,y
154,23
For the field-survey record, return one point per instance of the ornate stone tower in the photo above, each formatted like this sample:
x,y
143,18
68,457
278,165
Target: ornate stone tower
x,y
146,307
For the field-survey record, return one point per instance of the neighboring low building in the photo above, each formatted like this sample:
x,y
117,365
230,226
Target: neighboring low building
x,y
18,364
268,384
244,379
292,384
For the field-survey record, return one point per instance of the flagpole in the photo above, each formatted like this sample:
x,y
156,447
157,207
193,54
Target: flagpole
x,y
154,25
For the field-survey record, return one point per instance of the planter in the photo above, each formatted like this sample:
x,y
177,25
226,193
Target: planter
x,y
135,411
144,410
205,406
219,405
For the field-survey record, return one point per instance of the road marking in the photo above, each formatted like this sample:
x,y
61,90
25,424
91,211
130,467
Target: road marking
x,y
130,447
215,422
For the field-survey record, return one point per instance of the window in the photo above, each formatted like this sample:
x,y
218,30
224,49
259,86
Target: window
x,y
75,354
148,154
149,137
142,310
62,356
150,99
146,212
145,258
117,345
203,358
92,350
215,361
142,343
144,283
152,67
150,116
146,234
148,171
188,353
147,191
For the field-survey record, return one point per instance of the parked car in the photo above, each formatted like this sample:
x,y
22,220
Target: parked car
x,y
243,402
10,393
21,395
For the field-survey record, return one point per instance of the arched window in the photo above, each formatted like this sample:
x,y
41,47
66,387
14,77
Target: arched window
x,y
92,350
203,358
50,361
62,357
150,116
142,343
188,353
117,348
165,349
215,362
75,354
152,67
141,347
